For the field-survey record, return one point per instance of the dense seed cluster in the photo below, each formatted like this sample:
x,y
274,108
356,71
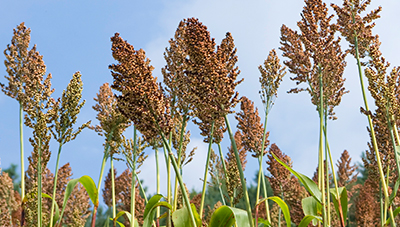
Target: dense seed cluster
x,y
251,127
313,52
142,99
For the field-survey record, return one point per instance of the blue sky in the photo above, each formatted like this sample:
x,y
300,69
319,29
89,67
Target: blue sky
x,y
75,36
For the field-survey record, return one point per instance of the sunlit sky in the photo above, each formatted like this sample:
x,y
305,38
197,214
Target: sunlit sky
x,y
75,36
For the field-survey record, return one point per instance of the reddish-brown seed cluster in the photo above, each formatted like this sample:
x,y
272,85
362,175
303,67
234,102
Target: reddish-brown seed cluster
x,y
142,99
351,24
204,75
252,129
315,52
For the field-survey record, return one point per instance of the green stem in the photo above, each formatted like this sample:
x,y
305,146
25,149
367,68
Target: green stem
x,y
103,163
203,192
328,197
225,170
181,184
39,175
21,143
114,208
179,160
372,130
141,189
133,183
55,186
246,194
342,218
394,135
261,160
321,183
158,179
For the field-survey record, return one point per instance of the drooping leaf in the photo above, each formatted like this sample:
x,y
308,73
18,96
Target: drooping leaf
x,y
226,216
307,219
89,186
343,201
284,207
263,223
150,210
311,207
309,184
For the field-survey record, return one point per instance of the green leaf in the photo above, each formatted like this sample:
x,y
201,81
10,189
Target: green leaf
x,y
284,207
150,210
57,211
226,216
263,223
311,207
89,186
343,201
307,219
181,217
136,224
395,213
309,184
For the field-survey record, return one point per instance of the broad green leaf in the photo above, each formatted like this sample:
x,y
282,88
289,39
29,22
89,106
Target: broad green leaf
x,y
284,207
307,219
311,207
181,217
309,184
395,213
150,210
343,201
89,186
226,216
57,211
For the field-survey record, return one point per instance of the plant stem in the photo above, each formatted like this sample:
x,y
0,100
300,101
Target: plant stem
x,y
328,197
246,194
184,119
158,179
372,130
342,218
261,160
133,183
181,184
21,144
103,163
203,192
321,184
114,208
224,167
55,185
39,174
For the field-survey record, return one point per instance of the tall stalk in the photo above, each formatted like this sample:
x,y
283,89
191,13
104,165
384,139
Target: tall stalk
x,y
103,163
39,175
114,208
133,183
321,184
158,179
55,186
203,192
179,160
225,170
372,131
181,184
260,170
21,144
328,197
246,194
